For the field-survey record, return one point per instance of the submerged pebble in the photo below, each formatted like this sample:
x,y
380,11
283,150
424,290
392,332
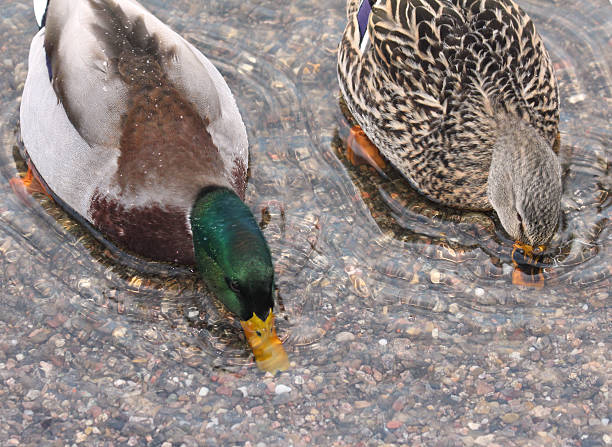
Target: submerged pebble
x,y
399,316
282,389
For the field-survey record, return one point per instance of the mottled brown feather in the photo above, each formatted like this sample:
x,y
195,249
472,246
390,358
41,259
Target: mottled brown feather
x,y
437,79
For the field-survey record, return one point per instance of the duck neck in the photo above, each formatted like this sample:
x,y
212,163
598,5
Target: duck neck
x,y
524,184
228,245
520,153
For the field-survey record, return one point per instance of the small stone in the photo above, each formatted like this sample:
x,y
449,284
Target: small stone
x,y
515,355
413,330
95,411
224,390
214,421
579,97
203,391
483,408
479,292
483,387
548,375
605,421
473,425
80,437
282,389
32,395
84,283
435,276
361,404
46,367
540,412
401,347
382,342
19,357
344,336
243,390
392,425
298,380
119,332
484,440
510,418
607,439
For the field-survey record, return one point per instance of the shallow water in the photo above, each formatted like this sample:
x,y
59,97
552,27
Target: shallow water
x,y
399,316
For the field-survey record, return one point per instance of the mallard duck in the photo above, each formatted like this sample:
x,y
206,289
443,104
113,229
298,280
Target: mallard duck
x,y
132,128
460,96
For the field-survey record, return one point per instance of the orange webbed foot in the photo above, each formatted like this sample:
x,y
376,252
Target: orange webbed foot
x,y
360,150
30,183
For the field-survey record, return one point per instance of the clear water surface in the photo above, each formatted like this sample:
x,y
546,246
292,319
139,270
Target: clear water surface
x,y
399,316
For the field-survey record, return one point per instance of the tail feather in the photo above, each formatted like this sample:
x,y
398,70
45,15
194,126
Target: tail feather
x,y
40,11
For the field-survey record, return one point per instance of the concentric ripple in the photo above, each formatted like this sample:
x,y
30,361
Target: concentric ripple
x,y
349,247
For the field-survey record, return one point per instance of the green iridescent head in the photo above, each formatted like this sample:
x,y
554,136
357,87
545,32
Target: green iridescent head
x,y
232,254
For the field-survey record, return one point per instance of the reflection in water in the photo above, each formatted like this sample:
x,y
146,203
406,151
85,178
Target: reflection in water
x,y
394,310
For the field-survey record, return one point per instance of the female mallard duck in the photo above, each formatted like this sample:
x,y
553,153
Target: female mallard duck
x,y
460,96
136,131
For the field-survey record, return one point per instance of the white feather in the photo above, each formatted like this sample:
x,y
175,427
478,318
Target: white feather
x,y
53,143
40,6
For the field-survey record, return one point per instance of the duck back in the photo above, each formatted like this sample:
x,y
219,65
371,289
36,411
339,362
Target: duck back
x,y
434,83
127,122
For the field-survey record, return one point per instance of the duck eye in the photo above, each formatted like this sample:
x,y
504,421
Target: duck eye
x,y
233,285
258,333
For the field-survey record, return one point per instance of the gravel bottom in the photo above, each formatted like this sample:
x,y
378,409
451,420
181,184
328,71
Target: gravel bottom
x,y
400,318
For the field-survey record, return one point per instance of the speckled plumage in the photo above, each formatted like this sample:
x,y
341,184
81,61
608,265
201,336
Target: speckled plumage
x,y
437,83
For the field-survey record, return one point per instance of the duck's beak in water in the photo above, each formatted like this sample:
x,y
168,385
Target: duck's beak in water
x,y
528,250
268,349
526,271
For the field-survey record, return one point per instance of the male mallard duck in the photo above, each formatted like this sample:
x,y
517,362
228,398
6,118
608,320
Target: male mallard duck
x,y
460,96
137,132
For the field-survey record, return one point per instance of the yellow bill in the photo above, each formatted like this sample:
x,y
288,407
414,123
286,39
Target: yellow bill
x,y
268,349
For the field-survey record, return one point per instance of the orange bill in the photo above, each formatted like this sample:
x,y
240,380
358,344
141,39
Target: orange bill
x,y
529,250
526,273
268,349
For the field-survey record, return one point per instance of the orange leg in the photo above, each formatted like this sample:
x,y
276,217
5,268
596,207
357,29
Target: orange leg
x,y
29,184
526,273
360,150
